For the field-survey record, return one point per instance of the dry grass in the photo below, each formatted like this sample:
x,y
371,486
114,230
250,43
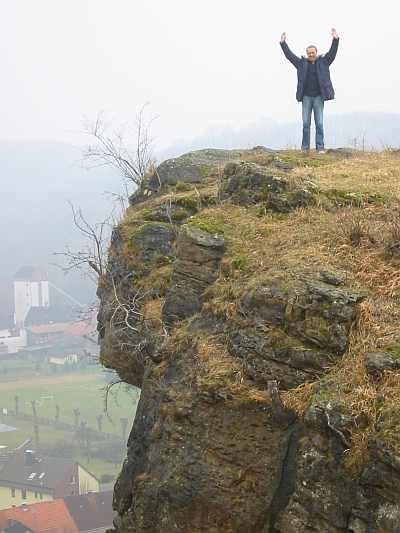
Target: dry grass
x,y
350,241
300,398
374,404
222,299
373,172
157,281
152,313
218,373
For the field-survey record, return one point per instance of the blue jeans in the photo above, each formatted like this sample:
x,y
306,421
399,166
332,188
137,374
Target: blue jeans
x,y
310,104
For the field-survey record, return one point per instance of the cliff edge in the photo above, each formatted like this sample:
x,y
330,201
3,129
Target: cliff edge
x,y
253,296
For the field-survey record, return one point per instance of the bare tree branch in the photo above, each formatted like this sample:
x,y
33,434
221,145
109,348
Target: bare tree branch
x,y
111,149
91,258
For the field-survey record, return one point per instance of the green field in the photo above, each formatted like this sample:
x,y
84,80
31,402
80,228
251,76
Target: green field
x,y
83,391
14,369
87,395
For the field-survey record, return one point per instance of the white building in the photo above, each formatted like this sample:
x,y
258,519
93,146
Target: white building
x,y
31,289
12,341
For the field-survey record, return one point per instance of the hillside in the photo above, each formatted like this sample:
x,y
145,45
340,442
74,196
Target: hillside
x,y
254,298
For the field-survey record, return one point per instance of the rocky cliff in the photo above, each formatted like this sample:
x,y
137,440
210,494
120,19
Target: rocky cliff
x,y
253,296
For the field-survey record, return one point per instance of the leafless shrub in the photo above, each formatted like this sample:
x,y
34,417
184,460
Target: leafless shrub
x,y
129,152
131,328
91,258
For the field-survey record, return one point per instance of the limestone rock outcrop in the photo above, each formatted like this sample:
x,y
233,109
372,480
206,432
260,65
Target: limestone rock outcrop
x,y
215,337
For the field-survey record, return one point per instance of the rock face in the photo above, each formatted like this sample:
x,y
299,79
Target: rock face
x,y
196,267
306,325
195,166
212,447
377,362
248,183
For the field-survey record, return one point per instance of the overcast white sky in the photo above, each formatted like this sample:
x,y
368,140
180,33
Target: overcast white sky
x,y
198,63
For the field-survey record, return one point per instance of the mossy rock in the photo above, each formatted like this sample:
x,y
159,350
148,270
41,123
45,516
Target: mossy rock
x,y
209,224
195,166
287,202
181,186
168,213
188,202
180,214
394,349
318,330
248,183
157,281
341,197
149,243
312,311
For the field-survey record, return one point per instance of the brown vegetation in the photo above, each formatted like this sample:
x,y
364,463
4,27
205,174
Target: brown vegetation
x,y
355,235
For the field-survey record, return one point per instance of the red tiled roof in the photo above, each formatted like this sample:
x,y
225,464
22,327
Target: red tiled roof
x,y
49,328
76,329
49,517
82,328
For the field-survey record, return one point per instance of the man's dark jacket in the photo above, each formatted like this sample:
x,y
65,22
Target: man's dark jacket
x,y
322,65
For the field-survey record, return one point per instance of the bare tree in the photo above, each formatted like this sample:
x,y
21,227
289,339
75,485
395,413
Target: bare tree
x,y
91,258
34,411
111,147
77,414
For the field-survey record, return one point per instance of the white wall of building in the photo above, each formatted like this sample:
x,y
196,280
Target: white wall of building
x,y
29,294
13,343
45,292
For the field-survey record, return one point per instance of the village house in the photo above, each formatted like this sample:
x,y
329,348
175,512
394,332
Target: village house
x,y
91,512
43,517
87,513
39,330
28,478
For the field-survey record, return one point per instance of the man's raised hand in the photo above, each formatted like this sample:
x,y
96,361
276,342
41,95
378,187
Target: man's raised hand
x,y
334,34
283,37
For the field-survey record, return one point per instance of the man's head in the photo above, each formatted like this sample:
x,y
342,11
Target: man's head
x,y
311,52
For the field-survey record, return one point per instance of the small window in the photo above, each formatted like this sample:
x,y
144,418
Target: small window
x,y
23,494
12,493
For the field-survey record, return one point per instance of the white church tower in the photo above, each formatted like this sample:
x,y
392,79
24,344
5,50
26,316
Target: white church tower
x,y
31,289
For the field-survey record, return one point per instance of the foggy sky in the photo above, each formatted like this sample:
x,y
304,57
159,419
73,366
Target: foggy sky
x,y
199,64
